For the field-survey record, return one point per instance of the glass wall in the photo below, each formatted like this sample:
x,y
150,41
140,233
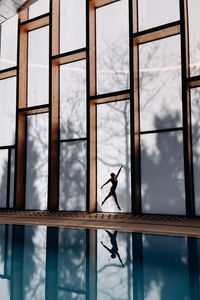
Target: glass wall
x,y
39,8
161,136
38,66
113,151
72,189
112,46
37,162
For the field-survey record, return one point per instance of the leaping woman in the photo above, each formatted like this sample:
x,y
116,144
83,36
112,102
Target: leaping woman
x,y
112,192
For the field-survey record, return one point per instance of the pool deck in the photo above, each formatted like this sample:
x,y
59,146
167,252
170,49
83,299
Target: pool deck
x,y
155,224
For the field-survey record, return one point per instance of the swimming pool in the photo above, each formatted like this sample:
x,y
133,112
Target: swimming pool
x,y
38,262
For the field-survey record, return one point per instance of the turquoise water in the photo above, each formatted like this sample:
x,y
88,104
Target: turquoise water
x,y
37,262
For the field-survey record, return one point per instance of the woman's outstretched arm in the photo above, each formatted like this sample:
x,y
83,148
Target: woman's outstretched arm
x,y
105,183
118,171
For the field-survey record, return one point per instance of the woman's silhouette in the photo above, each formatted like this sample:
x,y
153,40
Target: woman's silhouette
x,y
114,182
114,250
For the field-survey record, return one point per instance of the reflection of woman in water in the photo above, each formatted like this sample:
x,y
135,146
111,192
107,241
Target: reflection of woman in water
x,y
114,250
114,182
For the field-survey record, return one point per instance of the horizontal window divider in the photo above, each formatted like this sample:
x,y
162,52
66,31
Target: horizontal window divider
x,y
70,56
7,147
100,3
73,140
34,109
35,23
6,73
110,97
81,292
161,130
193,82
156,33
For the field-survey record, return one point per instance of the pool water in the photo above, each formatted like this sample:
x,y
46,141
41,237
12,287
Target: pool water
x,y
38,262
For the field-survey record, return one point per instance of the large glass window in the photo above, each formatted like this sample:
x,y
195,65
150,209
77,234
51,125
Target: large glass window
x,y
194,39
112,42
39,8
113,150
160,84
154,13
72,25
195,108
7,111
38,66
73,100
8,53
37,162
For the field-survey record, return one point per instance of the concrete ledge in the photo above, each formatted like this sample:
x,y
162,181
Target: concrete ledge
x,y
167,225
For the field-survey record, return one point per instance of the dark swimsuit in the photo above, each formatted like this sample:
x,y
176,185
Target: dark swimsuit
x,y
114,185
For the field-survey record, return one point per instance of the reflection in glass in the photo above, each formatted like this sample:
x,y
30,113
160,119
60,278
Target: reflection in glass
x,y
195,110
72,25
39,8
7,111
72,193
3,177
8,53
154,13
113,150
112,38
72,263
160,84
34,262
162,173
37,162
194,38
113,281
165,267
38,66
73,100
5,260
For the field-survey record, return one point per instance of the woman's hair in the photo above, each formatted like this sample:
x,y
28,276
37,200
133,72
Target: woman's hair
x,y
112,175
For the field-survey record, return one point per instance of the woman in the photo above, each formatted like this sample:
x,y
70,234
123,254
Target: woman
x,y
114,182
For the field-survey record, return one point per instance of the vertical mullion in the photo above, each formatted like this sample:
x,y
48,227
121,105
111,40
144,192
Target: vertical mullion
x,y
8,179
92,111
20,155
53,187
138,278
131,97
136,107
187,136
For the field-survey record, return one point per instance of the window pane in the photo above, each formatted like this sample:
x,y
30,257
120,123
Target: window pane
x,y
162,173
165,267
195,108
113,150
7,111
73,100
194,38
12,179
157,12
72,25
38,66
72,194
39,8
72,259
160,84
3,177
9,43
112,38
34,264
119,285
37,162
